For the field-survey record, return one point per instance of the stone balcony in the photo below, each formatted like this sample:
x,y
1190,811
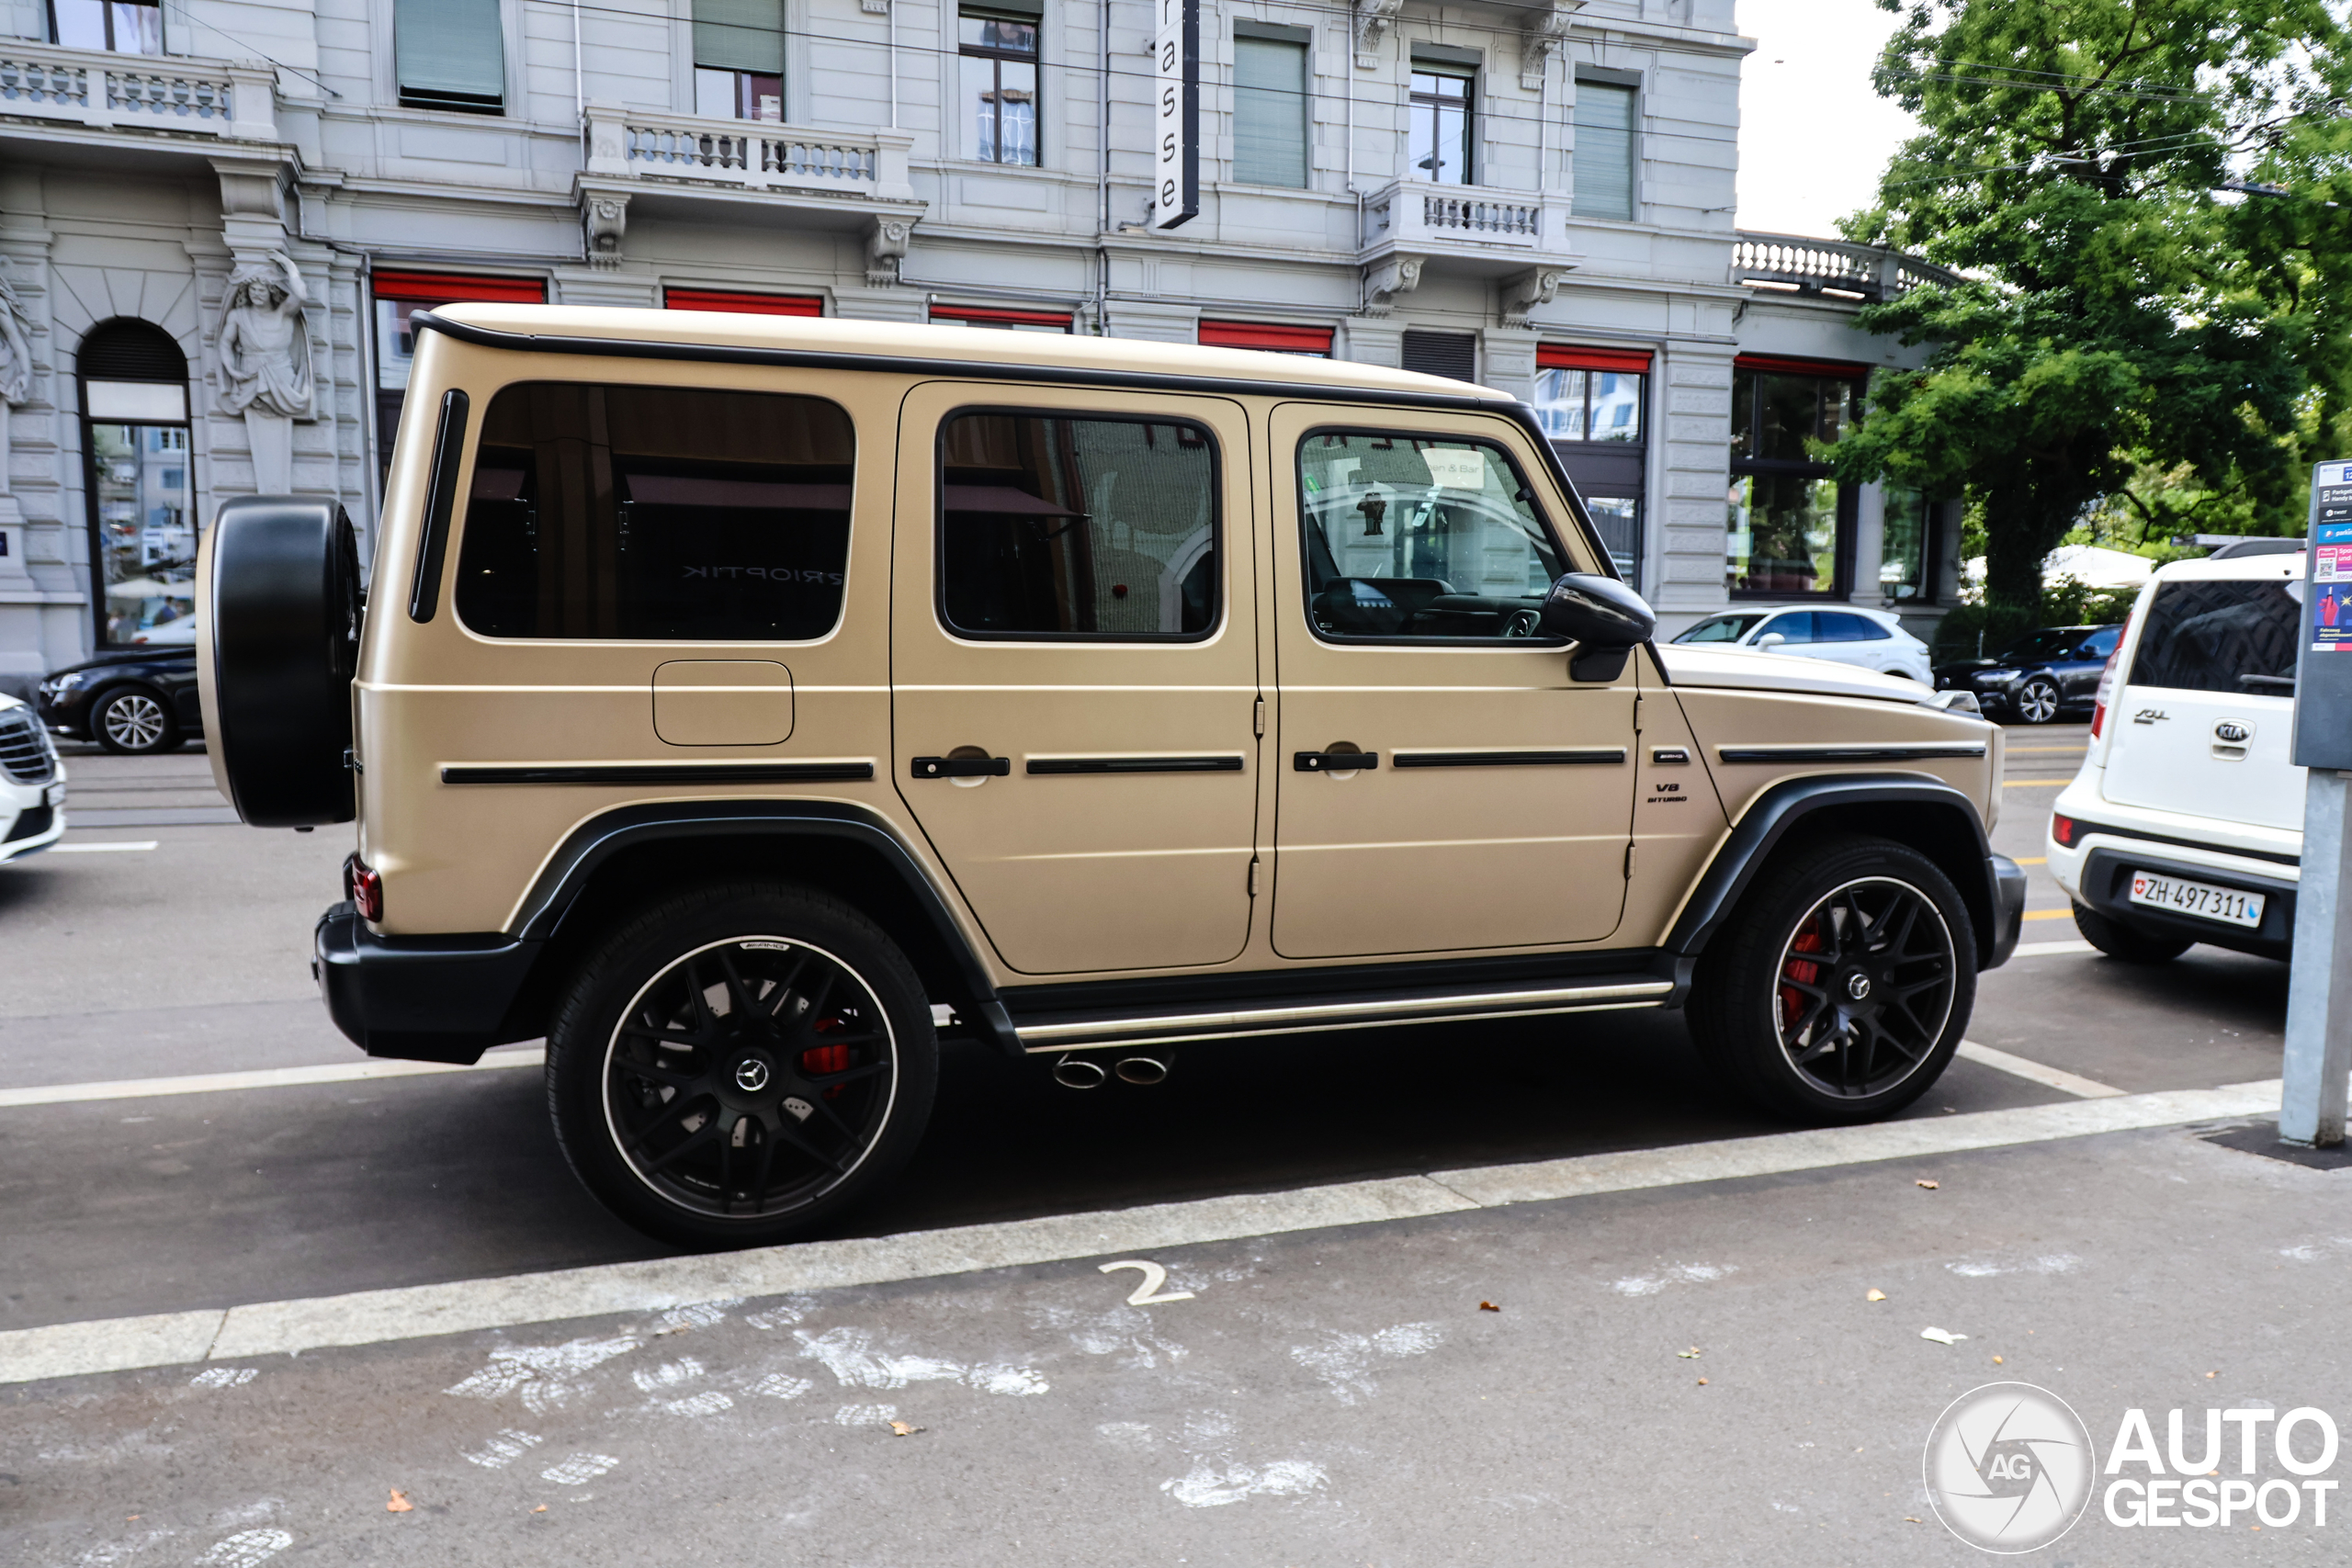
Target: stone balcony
x,y
175,95
1828,269
1518,238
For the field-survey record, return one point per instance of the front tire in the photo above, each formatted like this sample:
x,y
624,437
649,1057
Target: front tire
x,y
133,721
740,1064
2037,701
2127,943
1843,986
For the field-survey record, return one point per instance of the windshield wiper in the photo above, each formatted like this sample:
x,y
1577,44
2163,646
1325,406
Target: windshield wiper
x,y
2286,681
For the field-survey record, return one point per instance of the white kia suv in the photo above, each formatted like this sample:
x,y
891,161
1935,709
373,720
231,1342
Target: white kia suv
x,y
1869,639
2185,824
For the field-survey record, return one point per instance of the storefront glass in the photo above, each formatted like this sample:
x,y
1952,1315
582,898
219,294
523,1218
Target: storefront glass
x,y
146,531
1783,536
1906,559
1790,530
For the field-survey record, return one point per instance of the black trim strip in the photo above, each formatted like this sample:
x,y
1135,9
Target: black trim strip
x,y
441,499
665,772
1334,762
1507,758
1050,765
2084,827
1849,753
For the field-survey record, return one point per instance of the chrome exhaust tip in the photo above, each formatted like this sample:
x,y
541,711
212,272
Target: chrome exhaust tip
x,y
1076,1072
1142,1070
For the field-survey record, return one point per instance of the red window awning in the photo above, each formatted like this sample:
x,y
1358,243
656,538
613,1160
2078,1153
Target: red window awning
x,y
1267,335
1778,365
1563,357
454,288
743,304
990,315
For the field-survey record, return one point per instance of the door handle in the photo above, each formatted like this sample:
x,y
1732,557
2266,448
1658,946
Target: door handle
x,y
962,767
1333,762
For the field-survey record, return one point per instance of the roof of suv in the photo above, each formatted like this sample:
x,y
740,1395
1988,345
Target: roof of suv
x,y
949,348
2256,567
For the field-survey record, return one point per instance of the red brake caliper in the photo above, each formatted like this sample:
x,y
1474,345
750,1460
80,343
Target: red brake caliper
x,y
826,1058
1803,973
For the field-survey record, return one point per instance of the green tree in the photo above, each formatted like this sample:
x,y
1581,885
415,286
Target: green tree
x,y
2116,314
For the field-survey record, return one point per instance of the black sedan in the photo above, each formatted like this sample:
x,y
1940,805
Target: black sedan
x,y
136,701
2049,672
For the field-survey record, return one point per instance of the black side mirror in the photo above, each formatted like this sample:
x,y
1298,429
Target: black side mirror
x,y
1603,617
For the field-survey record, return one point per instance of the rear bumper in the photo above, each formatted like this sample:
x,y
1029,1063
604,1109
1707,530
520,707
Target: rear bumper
x,y
440,998
2009,907
2105,885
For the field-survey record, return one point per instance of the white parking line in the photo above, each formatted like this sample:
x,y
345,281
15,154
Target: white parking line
x,y
114,846
374,1318
262,1077
2047,949
2049,1078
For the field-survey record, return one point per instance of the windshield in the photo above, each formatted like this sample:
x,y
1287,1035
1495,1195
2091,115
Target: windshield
x,y
1720,628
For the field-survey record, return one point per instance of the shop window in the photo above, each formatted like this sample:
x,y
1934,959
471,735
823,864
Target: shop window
x,y
1906,569
450,55
743,304
1058,528
1270,107
1607,152
1002,320
668,513
1593,404
1311,343
738,58
1790,524
998,67
1441,123
399,296
135,475
121,26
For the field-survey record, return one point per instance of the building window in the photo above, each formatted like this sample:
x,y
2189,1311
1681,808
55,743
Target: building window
x,y
1270,110
1441,111
1907,563
1592,403
1310,342
1606,151
135,479
999,63
738,58
1790,525
123,27
399,296
451,54
1002,320
743,304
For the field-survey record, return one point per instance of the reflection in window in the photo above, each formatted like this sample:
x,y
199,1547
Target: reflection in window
x,y
658,513
1906,558
999,68
1789,525
2238,638
146,526
1783,536
1440,111
1077,527
1420,537
738,58
1589,405
124,26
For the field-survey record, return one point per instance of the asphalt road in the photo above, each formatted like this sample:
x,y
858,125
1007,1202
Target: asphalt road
x,y
1332,1396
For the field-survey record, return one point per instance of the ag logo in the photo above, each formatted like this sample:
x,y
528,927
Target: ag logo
x,y
2009,1467
2233,732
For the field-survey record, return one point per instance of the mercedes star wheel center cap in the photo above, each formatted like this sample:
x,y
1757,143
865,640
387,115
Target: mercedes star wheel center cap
x,y
751,1074
1857,985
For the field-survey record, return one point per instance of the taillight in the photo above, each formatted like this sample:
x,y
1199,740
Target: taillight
x,y
364,888
2062,830
2106,691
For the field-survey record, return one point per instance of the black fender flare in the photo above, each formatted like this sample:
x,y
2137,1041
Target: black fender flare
x,y
570,868
1782,807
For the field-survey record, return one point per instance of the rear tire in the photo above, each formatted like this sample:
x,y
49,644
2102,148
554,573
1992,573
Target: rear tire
x,y
739,1063
134,721
1863,1031
2128,944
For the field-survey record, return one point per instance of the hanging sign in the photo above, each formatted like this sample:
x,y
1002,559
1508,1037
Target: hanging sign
x,y
1176,114
2324,683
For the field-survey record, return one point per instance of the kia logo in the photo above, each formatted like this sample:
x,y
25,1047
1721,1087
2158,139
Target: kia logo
x,y
2231,732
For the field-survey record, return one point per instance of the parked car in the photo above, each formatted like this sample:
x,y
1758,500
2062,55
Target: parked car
x,y
135,701
1869,639
2185,823
1195,694
32,783
2052,672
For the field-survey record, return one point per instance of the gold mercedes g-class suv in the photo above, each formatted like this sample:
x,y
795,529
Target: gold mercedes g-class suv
x,y
744,703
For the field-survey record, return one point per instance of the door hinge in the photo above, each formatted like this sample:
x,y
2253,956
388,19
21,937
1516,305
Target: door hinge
x,y
1253,876
1258,719
1630,847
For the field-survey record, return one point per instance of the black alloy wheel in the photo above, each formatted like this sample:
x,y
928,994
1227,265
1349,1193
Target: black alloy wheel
x,y
1841,987
770,1060
133,721
2036,700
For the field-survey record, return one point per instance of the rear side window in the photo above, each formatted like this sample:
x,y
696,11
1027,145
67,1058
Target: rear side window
x,y
1836,626
2237,637
1060,528
665,513
2100,644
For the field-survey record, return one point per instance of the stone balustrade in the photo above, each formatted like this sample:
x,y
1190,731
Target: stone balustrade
x,y
174,94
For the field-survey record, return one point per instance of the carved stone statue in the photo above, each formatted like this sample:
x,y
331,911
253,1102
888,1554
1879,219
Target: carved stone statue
x,y
16,354
265,343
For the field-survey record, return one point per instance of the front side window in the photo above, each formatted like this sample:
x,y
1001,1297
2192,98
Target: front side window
x,y
999,71
1441,113
665,513
1789,526
123,27
451,54
738,58
1604,162
1269,111
1420,537
2234,637
1792,628
1052,528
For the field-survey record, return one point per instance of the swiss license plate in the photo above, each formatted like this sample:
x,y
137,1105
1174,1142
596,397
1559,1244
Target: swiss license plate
x,y
2225,904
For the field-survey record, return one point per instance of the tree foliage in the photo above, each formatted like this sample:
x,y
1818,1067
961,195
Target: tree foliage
x,y
2120,328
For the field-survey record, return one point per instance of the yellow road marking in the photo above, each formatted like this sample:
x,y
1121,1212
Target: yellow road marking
x,y
2035,860
2047,914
